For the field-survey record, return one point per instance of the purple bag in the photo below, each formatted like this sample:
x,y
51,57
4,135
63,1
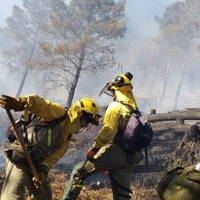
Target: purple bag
x,y
137,135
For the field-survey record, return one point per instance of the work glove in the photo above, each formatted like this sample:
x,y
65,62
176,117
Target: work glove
x,y
42,177
91,153
11,103
42,171
138,157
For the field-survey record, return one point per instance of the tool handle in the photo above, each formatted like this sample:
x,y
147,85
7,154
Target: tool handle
x,y
19,137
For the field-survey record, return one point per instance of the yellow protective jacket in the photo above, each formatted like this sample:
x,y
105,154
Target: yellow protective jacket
x,y
48,111
116,117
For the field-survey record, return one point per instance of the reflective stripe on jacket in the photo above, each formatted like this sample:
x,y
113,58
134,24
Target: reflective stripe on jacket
x,y
50,110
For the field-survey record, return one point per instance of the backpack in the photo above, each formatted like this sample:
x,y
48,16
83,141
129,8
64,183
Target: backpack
x,y
180,183
137,135
40,138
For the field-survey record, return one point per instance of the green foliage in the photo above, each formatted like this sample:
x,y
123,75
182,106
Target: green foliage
x,y
83,34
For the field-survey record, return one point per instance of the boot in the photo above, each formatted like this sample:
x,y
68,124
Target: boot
x,y
75,190
75,184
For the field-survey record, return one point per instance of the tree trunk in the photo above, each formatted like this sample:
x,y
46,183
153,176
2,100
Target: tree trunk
x,y
26,72
140,76
166,76
22,83
180,84
151,88
76,78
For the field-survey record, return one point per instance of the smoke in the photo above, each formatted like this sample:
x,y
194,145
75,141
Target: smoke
x,y
141,28
6,9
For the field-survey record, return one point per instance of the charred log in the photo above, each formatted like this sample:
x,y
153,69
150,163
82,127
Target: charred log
x,y
178,116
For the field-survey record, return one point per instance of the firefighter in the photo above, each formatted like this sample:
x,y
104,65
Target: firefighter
x,y
19,179
106,154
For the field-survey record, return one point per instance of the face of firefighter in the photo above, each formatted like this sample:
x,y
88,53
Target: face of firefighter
x,y
87,118
84,122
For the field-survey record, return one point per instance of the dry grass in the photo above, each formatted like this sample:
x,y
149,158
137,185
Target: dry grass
x,y
141,191
58,182
144,188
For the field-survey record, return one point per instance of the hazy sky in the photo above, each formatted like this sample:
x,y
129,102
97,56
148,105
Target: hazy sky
x,y
141,25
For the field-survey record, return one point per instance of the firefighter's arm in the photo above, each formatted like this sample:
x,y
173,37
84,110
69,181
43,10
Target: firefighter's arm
x,y
110,127
40,106
44,108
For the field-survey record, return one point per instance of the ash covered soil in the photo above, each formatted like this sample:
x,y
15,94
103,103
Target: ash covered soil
x,y
175,143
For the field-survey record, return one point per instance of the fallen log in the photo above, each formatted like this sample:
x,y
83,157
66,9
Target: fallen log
x,y
164,117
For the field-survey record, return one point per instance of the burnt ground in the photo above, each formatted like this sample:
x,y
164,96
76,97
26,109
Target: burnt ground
x,y
174,144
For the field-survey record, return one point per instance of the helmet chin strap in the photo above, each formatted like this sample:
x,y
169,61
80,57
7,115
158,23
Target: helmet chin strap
x,y
114,96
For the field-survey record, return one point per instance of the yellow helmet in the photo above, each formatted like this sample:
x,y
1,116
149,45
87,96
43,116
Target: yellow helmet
x,y
120,81
91,108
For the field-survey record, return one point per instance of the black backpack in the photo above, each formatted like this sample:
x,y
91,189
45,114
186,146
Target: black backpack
x,y
41,138
137,135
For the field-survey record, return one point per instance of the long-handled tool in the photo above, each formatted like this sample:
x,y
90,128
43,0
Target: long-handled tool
x,y
151,168
30,162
